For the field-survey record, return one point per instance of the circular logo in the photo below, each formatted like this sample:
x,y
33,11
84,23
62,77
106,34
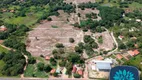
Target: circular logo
x,y
124,73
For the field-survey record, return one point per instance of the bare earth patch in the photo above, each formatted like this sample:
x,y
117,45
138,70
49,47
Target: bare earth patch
x,y
108,43
87,11
43,38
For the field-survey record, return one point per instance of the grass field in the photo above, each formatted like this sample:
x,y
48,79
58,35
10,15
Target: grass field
x,y
29,70
41,74
135,61
3,49
28,20
135,5
1,66
32,71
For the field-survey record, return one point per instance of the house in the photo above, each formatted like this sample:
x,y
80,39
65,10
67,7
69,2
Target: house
x,y
1,41
74,69
58,70
11,11
134,52
120,37
47,57
3,28
136,45
138,20
133,38
53,71
80,72
104,65
119,56
100,58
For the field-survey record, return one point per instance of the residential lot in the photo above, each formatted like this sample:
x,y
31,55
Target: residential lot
x,y
108,43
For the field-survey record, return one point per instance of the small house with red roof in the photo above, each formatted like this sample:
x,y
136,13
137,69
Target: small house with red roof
x,y
134,52
3,28
47,57
80,72
120,37
119,56
53,71
74,69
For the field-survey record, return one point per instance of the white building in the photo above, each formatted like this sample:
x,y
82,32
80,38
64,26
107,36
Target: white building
x,y
101,64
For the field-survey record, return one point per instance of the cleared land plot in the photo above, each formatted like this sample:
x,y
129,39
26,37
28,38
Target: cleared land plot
x,y
65,17
108,43
88,11
79,1
43,38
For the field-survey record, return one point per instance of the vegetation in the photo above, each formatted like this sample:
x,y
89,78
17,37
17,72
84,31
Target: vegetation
x,y
76,75
100,39
71,40
14,63
59,45
91,15
2,49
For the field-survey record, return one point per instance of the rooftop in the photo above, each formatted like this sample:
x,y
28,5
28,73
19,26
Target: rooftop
x,y
119,56
134,52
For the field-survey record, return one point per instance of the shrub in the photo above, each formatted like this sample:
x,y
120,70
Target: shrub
x,y
49,19
76,75
59,45
71,40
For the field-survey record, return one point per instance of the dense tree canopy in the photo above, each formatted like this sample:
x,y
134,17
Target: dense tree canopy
x,y
110,15
14,63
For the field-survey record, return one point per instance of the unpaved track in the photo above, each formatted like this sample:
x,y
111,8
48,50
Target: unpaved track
x,y
26,57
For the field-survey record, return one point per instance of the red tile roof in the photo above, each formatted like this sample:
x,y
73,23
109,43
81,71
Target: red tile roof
x,y
121,36
136,52
80,72
74,69
119,56
3,29
53,71
133,53
47,57
100,58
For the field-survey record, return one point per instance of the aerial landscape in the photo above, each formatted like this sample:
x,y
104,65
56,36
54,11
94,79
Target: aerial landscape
x,y
70,39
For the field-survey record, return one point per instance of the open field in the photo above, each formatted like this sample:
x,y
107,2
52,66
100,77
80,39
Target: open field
x,y
135,5
88,11
32,71
3,49
108,43
65,17
29,70
28,20
1,66
47,37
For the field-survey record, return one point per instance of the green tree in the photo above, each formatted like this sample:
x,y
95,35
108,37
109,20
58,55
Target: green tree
x,y
78,49
47,68
73,57
71,40
40,66
59,45
53,61
55,74
76,75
